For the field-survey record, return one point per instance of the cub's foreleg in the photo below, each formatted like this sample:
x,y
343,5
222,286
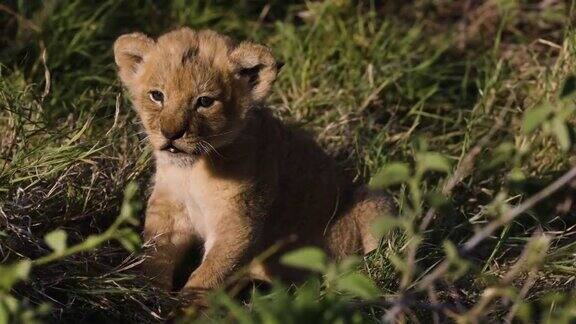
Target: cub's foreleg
x,y
228,248
168,231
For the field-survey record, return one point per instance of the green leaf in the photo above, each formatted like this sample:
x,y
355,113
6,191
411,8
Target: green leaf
x,y
349,263
11,303
436,199
358,285
502,154
383,225
569,87
458,266
13,273
516,175
9,307
535,117
130,206
450,250
535,251
309,258
130,240
56,240
432,161
390,174
307,294
239,313
525,312
4,314
561,132
400,264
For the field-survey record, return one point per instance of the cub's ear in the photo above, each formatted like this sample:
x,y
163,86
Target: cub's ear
x,y
129,52
255,65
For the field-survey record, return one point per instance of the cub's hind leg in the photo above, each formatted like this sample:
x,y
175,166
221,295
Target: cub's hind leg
x,y
368,206
351,232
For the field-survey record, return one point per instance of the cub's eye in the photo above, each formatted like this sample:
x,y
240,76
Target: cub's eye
x,y
205,102
156,96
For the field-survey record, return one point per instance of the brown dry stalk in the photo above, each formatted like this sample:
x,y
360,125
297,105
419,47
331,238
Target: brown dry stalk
x,y
462,170
509,216
425,283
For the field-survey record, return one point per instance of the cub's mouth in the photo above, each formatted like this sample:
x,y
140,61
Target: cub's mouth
x,y
174,149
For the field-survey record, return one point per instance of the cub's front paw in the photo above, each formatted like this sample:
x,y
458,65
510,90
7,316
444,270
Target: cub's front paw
x,y
194,298
191,304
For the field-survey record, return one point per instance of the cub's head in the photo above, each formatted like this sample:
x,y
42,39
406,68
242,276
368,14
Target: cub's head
x,y
193,89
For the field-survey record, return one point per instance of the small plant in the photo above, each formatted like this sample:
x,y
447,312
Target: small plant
x,y
14,310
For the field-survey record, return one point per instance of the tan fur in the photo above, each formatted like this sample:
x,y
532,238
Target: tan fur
x,y
240,181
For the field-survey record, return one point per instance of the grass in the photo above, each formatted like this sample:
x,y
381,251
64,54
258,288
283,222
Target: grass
x,y
376,83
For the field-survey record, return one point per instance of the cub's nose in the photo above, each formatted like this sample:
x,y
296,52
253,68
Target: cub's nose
x,y
173,133
173,124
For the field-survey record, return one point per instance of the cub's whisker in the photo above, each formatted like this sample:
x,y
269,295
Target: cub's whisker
x,y
212,148
219,134
206,151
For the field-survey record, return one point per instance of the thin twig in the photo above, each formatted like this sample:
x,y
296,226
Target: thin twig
x,y
462,170
485,232
28,23
47,80
530,281
408,301
116,112
376,92
434,301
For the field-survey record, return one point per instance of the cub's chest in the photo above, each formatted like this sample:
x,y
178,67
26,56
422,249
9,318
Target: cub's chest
x,y
208,200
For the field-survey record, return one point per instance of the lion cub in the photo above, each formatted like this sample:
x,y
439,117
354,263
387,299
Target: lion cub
x,y
229,175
